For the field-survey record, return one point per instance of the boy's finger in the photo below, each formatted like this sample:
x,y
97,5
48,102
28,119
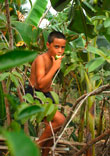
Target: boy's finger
x,y
53,59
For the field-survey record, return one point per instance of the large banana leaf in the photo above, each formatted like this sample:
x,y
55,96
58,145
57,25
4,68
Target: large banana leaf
x,y
26,31
95,63
36,12
15,58
88,8
81,24
59,5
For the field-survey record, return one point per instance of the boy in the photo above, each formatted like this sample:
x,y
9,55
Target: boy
x,y
43,69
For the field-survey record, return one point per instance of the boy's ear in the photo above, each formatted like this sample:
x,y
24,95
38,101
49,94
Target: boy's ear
x,y
47,44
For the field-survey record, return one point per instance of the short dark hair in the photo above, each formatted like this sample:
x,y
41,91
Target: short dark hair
x,y
55,34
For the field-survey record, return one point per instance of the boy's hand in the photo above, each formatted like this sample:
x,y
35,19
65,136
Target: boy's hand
x,y
57,62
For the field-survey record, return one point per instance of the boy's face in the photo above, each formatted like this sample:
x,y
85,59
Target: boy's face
x,y
57,47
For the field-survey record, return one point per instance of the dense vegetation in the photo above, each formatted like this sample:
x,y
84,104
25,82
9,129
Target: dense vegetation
x,y
81,83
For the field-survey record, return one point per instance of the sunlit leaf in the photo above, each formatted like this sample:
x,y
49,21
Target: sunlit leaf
x,y
107,23
24,29
55,97
95,63
51,115
28,97
36,12
14,80
3,76
96,51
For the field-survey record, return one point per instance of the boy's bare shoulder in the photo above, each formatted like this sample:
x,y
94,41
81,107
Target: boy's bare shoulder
x,y
39,58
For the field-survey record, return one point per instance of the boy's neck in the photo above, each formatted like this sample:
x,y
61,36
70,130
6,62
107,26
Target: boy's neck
x,y
49,55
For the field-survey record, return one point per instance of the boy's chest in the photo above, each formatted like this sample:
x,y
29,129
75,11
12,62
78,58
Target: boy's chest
x,y
48,65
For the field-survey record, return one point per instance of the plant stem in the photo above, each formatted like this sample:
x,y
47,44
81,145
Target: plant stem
x,y
6,104
9,24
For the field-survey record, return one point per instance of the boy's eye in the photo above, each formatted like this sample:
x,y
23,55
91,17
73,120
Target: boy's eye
x,y
63,47
56,46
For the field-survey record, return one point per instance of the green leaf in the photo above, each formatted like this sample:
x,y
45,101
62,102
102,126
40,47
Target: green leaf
x,y
3,46
15,58
29,111
100,17
94,64
70,68
107,23
50,109
55,97
88,8
14,80
36,12
28,97
96,51
20,145
81,24
17,75
59,5
3,76
24,29
41,96
51,115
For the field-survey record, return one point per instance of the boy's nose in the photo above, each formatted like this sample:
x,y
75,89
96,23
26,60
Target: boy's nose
x,y
60,50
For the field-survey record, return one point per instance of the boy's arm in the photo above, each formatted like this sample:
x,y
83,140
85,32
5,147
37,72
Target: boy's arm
x,y
44,80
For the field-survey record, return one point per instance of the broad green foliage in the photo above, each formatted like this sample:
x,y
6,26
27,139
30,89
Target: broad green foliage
x,y
20,145
29,111
37,109
81,24
55,97
95,63
15,58
36,12
59,5
27,32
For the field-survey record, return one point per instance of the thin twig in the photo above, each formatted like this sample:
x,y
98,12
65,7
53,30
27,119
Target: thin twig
x,y
53,152
55,75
